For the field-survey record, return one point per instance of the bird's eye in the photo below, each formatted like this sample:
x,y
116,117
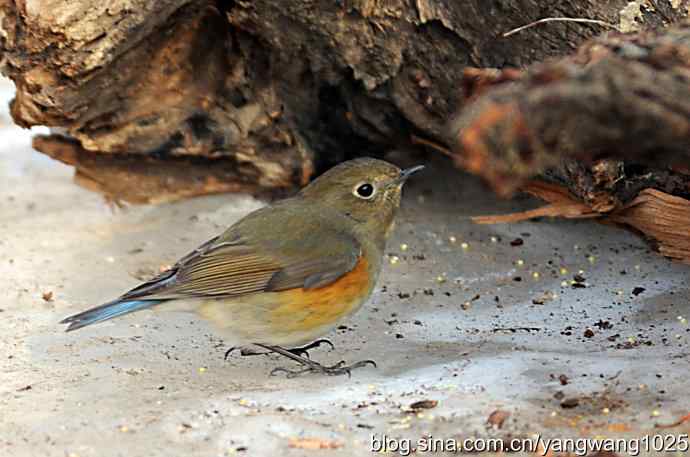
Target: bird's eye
x,y
364,190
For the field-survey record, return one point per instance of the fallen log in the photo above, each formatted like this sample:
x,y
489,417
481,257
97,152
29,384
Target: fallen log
x,y
623,96
273,91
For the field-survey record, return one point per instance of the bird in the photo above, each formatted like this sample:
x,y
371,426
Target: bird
x,y
285,274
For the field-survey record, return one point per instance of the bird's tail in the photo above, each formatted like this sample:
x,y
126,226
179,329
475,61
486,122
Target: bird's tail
x,y
107,311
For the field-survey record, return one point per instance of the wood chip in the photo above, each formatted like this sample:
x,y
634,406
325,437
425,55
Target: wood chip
x,y
498,417
561,204
313,443
424,404
662,217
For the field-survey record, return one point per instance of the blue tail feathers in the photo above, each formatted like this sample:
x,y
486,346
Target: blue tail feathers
x,y
107,311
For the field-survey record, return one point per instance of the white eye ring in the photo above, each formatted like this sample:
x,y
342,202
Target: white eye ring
x,y
364,190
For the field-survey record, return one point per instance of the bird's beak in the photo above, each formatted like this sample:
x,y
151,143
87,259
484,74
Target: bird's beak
x,y
407,172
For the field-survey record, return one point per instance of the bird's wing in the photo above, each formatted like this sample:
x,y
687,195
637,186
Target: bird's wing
x,y
222,268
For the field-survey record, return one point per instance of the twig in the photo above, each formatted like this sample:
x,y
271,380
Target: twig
x,y
559,19
675,424
418,140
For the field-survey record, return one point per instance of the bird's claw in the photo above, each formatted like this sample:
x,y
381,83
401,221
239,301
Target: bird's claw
x,y
302,351
228,352
244,352
336,369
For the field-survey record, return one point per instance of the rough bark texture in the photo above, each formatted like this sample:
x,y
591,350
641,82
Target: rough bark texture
x,y
269,90
155,80
619,96
609,127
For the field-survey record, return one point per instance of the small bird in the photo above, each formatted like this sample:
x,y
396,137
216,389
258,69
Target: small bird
x,y
285,274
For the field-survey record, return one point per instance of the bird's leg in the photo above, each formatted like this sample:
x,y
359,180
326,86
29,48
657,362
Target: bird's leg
x,y
313,367
301,351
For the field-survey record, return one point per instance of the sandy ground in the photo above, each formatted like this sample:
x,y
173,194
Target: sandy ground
x,y
478,327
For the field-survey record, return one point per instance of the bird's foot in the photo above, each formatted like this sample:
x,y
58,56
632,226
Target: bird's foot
x,y
302,351
309,366
337,369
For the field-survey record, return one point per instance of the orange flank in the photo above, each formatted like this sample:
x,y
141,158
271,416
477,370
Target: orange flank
x,y
307,309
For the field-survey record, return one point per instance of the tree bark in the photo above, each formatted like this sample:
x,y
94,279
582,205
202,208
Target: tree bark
x,y
264,93
620,96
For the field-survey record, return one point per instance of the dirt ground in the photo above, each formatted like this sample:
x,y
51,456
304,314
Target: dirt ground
x,y
573,328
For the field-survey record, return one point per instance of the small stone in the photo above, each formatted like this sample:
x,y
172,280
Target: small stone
x,y
570,403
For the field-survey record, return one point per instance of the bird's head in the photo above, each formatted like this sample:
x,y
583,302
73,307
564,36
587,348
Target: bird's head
x,y
366,190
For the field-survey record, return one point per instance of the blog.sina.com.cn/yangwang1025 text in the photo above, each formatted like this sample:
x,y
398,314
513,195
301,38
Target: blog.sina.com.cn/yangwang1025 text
x,y
536,444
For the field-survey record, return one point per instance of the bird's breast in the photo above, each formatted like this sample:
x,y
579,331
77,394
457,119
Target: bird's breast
x,y
304,309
